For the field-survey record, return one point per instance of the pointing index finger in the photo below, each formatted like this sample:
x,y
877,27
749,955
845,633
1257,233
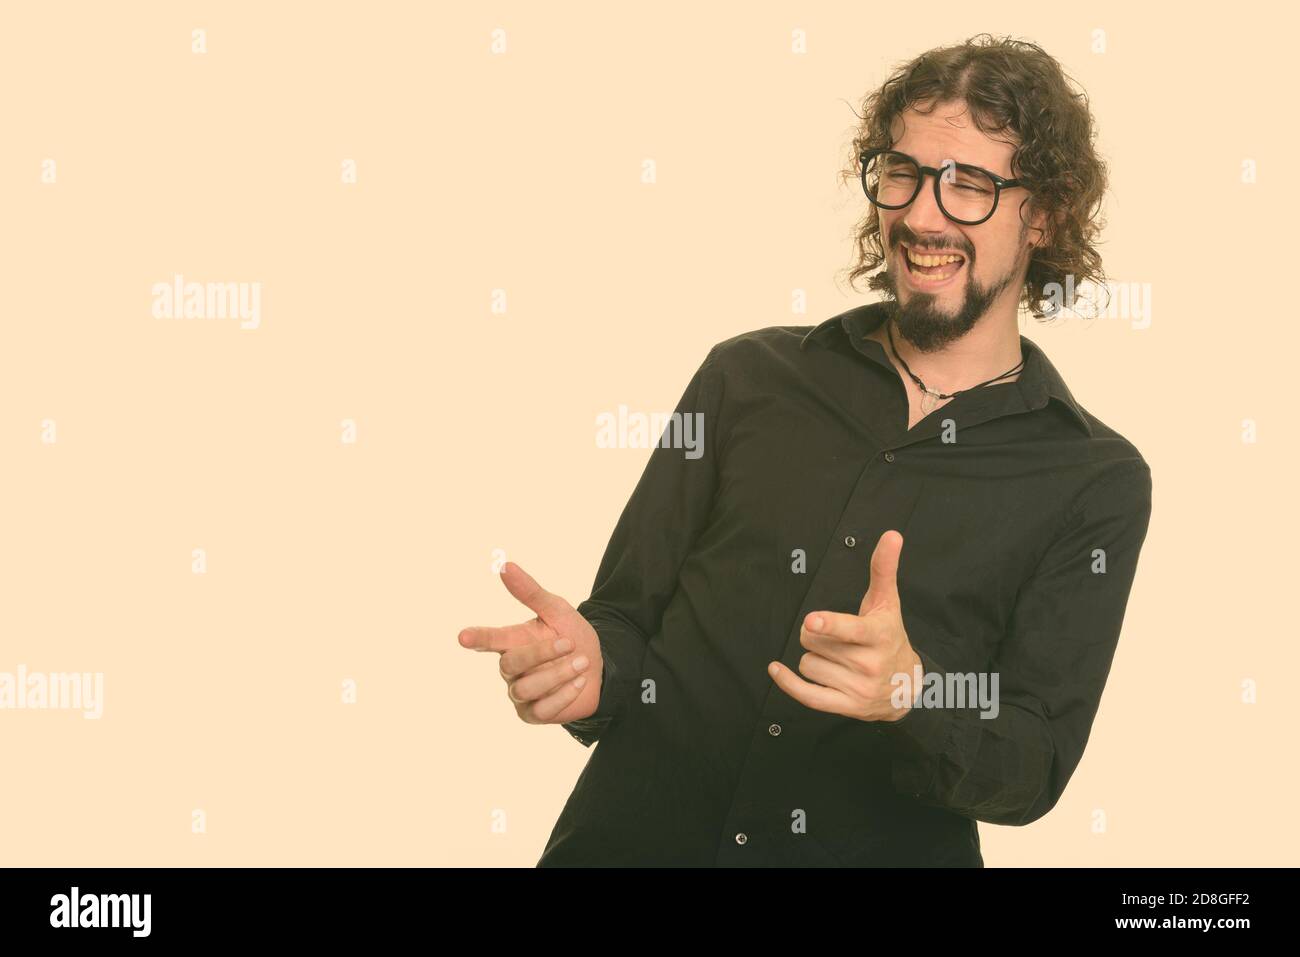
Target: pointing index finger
x,y
484,638
837,625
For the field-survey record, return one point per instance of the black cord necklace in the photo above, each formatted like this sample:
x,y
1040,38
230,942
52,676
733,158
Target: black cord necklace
x,y
889,328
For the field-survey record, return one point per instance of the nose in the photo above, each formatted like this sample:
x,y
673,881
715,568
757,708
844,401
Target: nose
x,y
924,214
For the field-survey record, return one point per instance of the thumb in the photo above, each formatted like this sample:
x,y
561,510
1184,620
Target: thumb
x,y
549,607
883,590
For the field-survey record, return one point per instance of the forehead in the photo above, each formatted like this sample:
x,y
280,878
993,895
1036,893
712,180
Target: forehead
x,y
948,132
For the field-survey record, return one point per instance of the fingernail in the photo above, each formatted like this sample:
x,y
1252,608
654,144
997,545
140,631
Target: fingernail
x,y
579,662
816,623
563,645
579,681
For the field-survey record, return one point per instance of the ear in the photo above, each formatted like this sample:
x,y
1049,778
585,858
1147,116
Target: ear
x,y
1036,231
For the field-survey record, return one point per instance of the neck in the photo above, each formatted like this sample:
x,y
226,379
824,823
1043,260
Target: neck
x,y
990,348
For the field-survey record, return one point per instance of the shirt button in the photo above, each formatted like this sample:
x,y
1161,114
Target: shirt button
x,y
889,456
741,838
774,729
850,541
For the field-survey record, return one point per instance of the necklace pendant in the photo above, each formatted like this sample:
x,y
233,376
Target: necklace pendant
x,y
928,402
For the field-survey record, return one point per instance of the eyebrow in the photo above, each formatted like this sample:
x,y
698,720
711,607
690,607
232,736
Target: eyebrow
x,y
957,162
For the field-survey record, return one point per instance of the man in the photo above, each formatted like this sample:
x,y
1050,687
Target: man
x,y
882,605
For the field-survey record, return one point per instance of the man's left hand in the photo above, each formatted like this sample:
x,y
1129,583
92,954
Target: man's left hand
x,y
853,658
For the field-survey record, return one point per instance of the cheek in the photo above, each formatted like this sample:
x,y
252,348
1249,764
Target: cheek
x,y
999,250
886,228
991,258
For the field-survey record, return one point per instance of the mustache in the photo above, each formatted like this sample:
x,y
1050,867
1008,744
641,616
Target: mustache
x,y
899,236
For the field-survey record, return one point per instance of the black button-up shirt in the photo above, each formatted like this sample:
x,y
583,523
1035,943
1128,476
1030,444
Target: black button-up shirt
x,y
1022,518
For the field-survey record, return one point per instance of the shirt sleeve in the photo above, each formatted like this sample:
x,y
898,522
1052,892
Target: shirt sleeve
x,y
666,513
1052,666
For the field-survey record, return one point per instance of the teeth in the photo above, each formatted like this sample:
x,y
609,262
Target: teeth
x,y
931,260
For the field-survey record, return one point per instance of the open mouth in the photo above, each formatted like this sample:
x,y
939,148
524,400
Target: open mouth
x,y
927,269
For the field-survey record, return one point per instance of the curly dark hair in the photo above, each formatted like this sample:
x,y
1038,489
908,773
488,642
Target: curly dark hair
x,y
1010,86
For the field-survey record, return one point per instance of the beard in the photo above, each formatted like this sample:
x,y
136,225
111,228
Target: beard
x,y
925,325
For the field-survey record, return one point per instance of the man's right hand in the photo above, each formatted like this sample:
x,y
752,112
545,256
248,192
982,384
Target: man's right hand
x,y
552,665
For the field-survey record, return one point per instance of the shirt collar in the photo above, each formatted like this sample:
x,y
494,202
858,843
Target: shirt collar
x,y
1039,379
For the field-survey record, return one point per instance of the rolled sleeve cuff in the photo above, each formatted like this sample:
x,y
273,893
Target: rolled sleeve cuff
x,y
920,739
621,656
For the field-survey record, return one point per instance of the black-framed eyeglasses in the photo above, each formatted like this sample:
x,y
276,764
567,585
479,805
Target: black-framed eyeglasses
x,y
966,194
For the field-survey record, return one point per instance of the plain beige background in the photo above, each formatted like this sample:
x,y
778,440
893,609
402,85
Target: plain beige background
x,y
483,168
